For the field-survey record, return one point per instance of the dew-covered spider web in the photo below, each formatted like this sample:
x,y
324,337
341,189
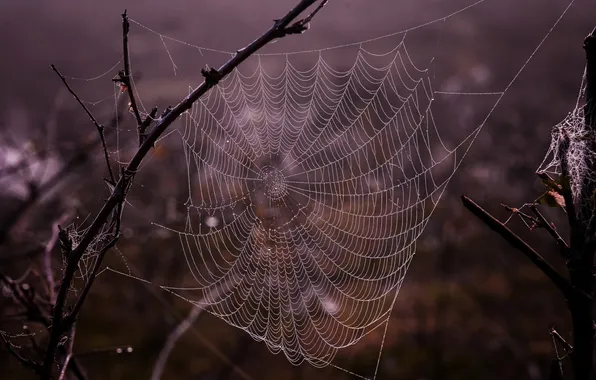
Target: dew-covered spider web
x,y
298,187
571,142
567,162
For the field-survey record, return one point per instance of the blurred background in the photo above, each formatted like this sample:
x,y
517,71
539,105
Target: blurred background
x,y
470,307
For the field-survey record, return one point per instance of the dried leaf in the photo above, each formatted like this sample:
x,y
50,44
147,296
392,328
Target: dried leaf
x,y
551,198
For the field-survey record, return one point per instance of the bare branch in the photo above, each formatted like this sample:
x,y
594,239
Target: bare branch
x,y
68,352
522,246
78,158
164,354
107,350
583,244
555,334
122,186
77,307
309,18
183,326
551,230
99,127
47,257
125,75
146,123
516,211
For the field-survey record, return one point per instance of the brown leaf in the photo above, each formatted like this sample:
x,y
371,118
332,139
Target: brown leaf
x,y
551,198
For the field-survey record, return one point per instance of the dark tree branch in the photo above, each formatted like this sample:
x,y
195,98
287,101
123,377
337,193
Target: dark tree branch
x,y
495,225
69,345
184,325
125,75
59,326
99,127
583,242
173,337
116,235
589,107
47,257
309,18
75,367
579,290
535,222
551,230
146,123
300,26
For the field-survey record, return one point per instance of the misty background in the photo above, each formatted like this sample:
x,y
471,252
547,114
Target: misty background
x,y
470,307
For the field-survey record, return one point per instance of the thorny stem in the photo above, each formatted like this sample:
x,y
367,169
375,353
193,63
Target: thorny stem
x,y
59,327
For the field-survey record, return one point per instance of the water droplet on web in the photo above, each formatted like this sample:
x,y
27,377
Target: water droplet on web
x,y
212,221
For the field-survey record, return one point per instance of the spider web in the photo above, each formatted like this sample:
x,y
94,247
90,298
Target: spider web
x,y
309,177
320,184
572,132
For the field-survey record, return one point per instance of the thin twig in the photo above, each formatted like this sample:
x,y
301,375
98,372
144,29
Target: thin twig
x,y
47,257
525,216
68,352
568,347
521,245
99,127
74,366
79,158
309,18
125,76
164,354
77,307
556,370
551,230
24,361
107,350
184,325
122,186
34,344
